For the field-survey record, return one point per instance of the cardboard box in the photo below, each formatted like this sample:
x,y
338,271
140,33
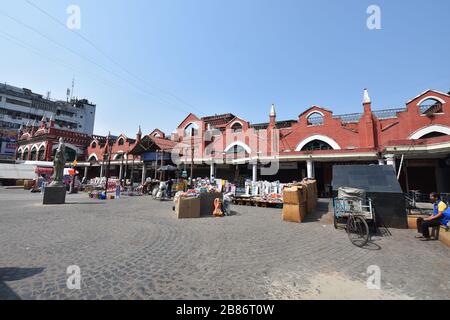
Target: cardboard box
x,y
412,221
294,195
187,208
294,213
444,236
28,184
311,195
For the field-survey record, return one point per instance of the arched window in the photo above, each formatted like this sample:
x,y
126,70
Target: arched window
x,y
33,154
25,155
433,134
191,130
237,152
237,127
94,145
19,155
71,155
41,154
430,106
316,145
315,119
92,159
121,142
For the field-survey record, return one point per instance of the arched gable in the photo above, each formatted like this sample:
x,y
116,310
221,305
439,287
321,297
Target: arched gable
x,y
429,129
323,138
240,144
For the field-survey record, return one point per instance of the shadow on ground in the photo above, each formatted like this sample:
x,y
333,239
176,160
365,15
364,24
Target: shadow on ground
x,y
14,274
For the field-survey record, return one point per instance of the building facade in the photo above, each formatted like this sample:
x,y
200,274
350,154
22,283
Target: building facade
x,y
415,139
19,107
39,141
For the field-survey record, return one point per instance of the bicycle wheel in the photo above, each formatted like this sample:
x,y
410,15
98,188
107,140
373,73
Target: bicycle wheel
x,y
358,231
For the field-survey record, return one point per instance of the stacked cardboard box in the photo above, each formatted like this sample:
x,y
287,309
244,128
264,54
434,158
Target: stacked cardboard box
x,y
294,204
28,184
187,207
311,195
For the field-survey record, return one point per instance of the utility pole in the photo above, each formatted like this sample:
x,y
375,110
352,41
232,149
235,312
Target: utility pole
x,y
162,165
192,153
156,164
109,149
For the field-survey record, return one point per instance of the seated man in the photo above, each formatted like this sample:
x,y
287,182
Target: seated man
x,y
440,217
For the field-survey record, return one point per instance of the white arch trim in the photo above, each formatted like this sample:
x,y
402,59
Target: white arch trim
x,y
236,122
313,112
433,128
194,124
326,139
430,98
239,143
93,155
118,154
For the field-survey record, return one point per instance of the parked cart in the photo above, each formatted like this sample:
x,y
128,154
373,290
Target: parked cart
x,y
354,212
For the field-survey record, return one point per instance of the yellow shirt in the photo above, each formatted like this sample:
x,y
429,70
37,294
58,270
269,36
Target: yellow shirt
x,y
442,206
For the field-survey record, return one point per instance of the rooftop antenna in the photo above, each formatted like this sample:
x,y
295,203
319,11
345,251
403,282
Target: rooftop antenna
x,y
73,85
48,95
67,94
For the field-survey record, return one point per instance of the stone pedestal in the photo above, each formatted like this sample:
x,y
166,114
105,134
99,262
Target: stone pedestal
x,y
55,195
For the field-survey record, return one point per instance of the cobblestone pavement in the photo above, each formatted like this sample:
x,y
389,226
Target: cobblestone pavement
x,y
134,248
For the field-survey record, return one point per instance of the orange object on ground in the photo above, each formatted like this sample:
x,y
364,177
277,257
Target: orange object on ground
x,y
218,208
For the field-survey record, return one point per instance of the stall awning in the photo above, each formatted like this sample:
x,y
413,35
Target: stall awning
x,y
17,171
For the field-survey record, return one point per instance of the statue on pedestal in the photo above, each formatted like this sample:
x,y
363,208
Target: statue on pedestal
x,y
58,164
55,193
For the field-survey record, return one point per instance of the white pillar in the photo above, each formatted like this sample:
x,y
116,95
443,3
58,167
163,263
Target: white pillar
x,y
212,170
101,171
85,172
121,172
144,172
255,172
310,169
390,160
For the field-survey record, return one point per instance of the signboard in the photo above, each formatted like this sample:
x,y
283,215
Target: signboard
x,y
8,142
153,156
8,148
288,165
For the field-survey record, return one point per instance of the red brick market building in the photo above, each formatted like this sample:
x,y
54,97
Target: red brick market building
x,y
415,137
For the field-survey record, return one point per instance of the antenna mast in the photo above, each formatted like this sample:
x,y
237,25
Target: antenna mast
x,y
73,85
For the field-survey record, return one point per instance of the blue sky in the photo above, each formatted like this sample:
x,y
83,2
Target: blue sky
x,y
163,59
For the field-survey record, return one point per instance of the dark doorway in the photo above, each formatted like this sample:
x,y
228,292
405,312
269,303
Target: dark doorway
x,y
422,178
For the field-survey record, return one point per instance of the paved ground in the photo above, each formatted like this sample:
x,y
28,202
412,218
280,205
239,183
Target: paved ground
x,y
134,248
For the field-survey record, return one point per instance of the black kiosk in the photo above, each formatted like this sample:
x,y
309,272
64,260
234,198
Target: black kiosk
x,y
381,185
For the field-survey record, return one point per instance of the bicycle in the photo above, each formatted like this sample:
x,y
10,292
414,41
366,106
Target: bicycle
x,y
353,214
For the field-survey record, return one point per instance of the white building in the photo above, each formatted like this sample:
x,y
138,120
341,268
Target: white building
x,y
21,106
